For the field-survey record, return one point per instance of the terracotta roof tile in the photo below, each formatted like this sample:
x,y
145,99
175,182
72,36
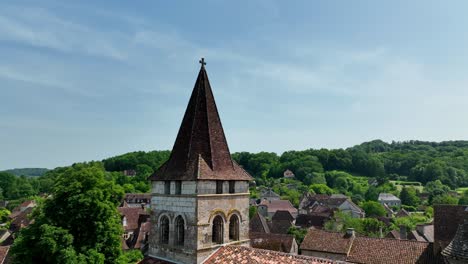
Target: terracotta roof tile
x,y
131,214
200,150
281,205
282,215
238,255
259,224
326,241
382,251
276,242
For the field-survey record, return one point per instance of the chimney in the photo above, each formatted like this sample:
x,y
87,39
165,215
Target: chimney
x,y
350,233
403,232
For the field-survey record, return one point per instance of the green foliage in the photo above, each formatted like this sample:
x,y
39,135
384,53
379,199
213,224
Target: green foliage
x,y
252,211
409,222
320,189
78,224
131,257
4,213
464,199
366,226
373,209
409,197
298,233
444,199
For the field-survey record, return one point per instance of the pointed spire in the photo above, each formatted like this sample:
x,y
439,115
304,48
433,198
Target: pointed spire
x,y
200,150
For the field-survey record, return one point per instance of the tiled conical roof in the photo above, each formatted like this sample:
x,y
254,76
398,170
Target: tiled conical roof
x,y
200,151
458,248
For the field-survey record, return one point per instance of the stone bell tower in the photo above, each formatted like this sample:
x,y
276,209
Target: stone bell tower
x,y
200,196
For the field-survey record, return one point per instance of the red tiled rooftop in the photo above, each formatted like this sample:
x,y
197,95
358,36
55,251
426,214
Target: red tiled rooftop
x,y
238,255
326,241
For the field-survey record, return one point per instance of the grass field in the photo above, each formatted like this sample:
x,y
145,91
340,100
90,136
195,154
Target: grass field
x,y
462,190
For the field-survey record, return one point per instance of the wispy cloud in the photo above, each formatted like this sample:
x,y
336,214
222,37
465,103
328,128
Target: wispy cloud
x,y
41,28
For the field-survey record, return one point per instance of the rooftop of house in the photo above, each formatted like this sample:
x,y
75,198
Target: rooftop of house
x,y
426,231
259,224
308,220
358,249
382,251
137,196
132,214
330,201
402,213
388,197
326,241
288,174
236,255
281,205
269,193
282,215
276,242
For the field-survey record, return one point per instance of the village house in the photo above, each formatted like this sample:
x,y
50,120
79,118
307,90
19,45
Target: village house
x,y
315,220
135,222
137,199
351,248
321,203
269,195
288,174
389,199
129,173
449,236
268,209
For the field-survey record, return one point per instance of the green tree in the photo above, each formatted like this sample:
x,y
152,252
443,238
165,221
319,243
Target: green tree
x,y
373,209
464,199
321,189
80,221
444,199
409,197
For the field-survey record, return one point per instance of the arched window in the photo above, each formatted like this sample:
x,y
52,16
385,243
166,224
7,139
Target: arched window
x,y
218,230
234,228
164,230
179,231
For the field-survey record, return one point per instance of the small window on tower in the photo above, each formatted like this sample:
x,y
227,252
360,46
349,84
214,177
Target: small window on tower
x,y
232,186
219,187
178,187
167,187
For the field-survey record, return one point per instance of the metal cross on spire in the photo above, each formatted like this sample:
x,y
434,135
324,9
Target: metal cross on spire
x,y
202,62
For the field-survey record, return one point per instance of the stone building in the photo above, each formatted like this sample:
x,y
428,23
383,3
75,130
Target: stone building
x,y
200,196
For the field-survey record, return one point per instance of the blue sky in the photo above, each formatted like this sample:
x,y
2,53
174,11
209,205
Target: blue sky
x,y
85,80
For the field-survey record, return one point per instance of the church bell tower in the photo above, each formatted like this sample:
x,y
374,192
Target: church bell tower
x,y
200,196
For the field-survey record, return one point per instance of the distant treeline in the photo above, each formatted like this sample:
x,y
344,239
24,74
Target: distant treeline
x,y
32,172
410,160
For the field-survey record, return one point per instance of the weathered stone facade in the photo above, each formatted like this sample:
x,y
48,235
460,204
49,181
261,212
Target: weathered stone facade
x,y
198,204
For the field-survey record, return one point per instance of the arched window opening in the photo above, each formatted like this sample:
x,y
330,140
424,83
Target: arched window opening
x,y
234,228
164,230
218,230
179,231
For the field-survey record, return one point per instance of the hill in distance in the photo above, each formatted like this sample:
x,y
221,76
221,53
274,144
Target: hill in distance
x,y
30,172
